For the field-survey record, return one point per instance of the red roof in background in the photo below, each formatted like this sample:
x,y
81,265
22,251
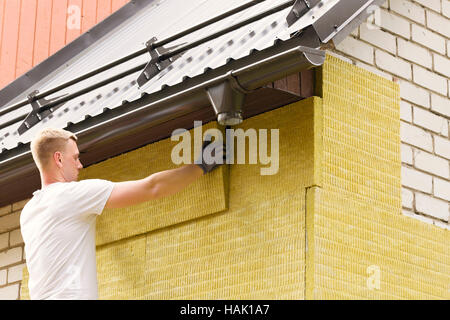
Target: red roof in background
x,y
33,30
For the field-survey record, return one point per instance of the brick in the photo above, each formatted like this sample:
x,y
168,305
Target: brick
x,y
2,277
440,104
432,207
405,111
416,136
430,80
441,224
4,240
5,210
357,49
441,188
378,38
10,256
417,216
409,10
442,147
15,238
406,154
414,94
339,56
10,292
438,23
446,8
430,121
395,24
407,198
441,65
15,273
414,53
9,222
432,4
428,38
431,163
416,180
19,205
393,65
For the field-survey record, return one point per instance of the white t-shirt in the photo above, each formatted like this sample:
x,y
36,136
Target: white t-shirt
x,y
58,228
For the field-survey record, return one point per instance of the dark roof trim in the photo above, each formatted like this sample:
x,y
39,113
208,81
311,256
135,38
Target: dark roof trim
x,y
252,72
42,70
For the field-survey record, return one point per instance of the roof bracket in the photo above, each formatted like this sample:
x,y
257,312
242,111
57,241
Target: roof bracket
x,y
227,98
299,8
36,115
156,64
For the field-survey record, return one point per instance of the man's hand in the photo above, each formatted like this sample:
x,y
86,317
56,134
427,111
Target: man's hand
x,y
212,156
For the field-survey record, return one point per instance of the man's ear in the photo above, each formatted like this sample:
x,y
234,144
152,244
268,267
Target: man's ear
x,y
57,156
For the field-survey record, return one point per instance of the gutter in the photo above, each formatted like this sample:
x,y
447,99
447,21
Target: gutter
x,y
249,73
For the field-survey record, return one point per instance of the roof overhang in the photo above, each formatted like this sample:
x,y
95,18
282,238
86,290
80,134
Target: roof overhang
x,y
155,116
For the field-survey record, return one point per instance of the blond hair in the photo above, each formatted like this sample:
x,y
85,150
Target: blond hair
x,y
47,142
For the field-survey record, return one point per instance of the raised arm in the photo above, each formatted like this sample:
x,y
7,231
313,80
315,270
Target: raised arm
x,y
157,185
160,184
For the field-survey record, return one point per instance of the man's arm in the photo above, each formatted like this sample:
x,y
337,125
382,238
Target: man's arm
x,y
157,185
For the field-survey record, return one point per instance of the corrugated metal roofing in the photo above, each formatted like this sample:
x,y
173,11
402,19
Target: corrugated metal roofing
x,y
159,19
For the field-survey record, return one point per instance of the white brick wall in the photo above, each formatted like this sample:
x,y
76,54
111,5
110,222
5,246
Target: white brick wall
x,y
9,292
432,4
412,47
12,255
410,10
416,136
431,163
432,207
440,105
414,53
441,65
441,189
428,38
417,180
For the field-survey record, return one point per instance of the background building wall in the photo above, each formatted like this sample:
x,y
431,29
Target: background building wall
x,y
32,30
409,42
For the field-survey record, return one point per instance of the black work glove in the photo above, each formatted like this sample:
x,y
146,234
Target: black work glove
x,y
207,159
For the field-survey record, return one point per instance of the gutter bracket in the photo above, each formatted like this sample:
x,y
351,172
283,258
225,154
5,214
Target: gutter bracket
x,y
36,115
227,98
299,8
155,65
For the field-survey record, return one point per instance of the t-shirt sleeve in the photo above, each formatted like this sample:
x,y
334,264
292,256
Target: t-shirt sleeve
x,y
91,195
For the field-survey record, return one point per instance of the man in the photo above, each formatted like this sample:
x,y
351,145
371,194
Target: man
x,y
58,223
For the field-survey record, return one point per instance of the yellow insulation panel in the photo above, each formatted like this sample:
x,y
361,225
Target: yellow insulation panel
x,y
361,134
362,251
362,247
253,250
